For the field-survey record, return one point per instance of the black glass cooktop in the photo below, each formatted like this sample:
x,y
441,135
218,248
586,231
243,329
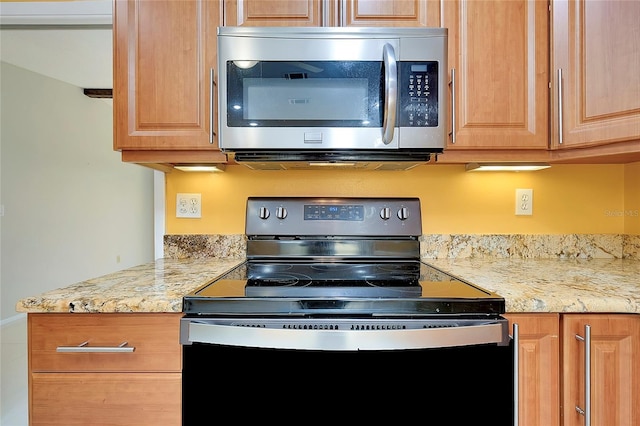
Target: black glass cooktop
x,y
397,279
371,288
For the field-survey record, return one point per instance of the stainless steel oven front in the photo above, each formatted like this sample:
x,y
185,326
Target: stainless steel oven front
x,y
345,322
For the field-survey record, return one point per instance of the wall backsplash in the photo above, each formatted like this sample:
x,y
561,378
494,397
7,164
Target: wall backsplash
x,y
204,246
574,246
442,246
567,199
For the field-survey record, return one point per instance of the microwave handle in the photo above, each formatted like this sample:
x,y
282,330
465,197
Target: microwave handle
x,y
390,93
212,82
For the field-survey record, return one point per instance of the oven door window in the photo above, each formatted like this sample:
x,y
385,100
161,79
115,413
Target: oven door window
x,y
305,94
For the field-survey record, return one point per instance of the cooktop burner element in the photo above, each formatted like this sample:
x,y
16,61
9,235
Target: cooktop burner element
x,y
315,257
333,280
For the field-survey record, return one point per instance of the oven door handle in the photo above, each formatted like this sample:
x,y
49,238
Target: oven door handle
x,y
206,331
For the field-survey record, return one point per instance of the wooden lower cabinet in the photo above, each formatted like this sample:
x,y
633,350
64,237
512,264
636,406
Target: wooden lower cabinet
x,y
103,381
614,369
552,377
106,398
539,367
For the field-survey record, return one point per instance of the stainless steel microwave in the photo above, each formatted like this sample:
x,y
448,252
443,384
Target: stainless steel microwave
x,y
304,97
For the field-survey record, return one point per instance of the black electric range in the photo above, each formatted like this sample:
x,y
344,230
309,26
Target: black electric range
x,y
346,262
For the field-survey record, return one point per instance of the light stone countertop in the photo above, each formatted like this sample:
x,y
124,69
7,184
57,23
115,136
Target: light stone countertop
x,y
542,285
553,285
152,287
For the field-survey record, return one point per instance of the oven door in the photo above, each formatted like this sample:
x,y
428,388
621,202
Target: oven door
x,y
368,374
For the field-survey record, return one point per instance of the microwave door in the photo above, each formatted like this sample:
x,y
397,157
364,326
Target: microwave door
x,y
299,94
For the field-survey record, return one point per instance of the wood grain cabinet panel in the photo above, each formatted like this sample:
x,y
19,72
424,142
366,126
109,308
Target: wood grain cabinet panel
x,y
390,13
164,74
154,338
614,369
105,369
596,66
273,13
539,368
114,399
498,60
552,352
332,13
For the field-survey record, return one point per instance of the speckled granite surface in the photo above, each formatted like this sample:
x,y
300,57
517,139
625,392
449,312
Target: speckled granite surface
x,y
445,246
524,246
565,273
204,246
153,287
553,285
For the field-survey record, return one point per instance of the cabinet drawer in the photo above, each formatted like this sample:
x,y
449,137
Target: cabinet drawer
x,y
113,399
154,338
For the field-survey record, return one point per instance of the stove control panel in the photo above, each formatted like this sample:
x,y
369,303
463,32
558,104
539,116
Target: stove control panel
x,y
346,216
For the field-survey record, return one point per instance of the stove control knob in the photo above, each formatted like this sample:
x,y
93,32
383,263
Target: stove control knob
x,y
281,213
385,213
403,213
263,213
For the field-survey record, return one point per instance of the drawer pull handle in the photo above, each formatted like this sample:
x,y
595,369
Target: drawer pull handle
x,y
84,347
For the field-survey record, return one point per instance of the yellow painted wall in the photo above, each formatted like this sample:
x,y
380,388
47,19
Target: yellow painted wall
x,y
632,199
583,199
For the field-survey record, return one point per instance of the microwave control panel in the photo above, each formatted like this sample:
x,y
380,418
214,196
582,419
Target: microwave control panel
x,y
417,94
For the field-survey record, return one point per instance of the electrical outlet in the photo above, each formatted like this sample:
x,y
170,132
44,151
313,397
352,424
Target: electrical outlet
x,y
524,201
189,205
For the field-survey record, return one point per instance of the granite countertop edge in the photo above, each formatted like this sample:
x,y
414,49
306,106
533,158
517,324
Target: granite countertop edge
x,y
545,285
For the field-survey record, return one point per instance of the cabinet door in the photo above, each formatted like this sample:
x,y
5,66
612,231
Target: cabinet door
x,y
596,63
390,13
164,58
316,13
614,369
115,399
498,57
539,366
274,13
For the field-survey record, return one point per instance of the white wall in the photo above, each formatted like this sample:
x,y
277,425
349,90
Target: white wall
x,y
72,209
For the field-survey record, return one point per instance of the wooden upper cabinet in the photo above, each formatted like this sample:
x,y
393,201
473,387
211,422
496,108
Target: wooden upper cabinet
x,y
596,67
499,71
390,13
164,55
332,13
273,13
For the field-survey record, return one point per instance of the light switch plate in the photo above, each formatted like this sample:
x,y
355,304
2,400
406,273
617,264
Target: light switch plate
x,y
189,205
